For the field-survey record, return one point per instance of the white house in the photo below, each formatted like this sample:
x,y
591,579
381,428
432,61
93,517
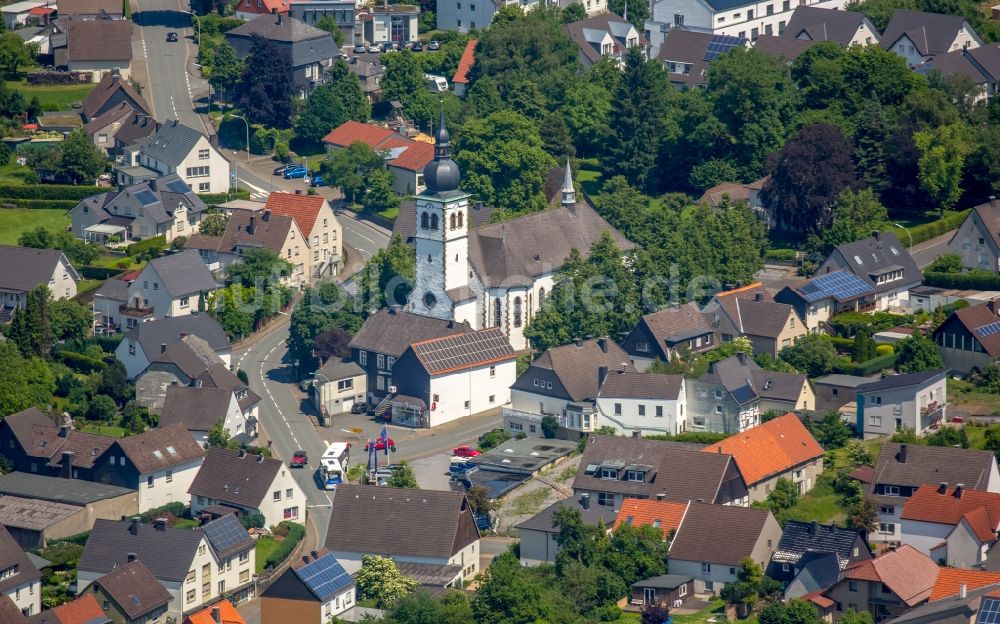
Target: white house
x,y
20,580
319,586
814,23
646,403
882,262
951,523
390,22
16,14
25,269
977,240
912,401
146,341
317,223
252,484
199,409
97,46
919,36
168,286
176,148
159,463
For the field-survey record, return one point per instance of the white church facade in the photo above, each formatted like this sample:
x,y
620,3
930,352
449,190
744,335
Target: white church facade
x,y
495,275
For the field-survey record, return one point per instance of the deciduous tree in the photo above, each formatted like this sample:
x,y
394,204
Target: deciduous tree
x,y
943,152
813,354
331,104
387,278
265,89
918,353
226,69
379,579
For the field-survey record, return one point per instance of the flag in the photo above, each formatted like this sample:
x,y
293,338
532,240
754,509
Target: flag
x,y
371,447
384,435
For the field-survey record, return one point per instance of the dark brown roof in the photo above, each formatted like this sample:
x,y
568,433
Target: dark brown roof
x,y
371,519
782,47
99,40
89,7
576,365
642,386
227,477
197,409
159,449
12,555
932,464
978,316
392,331
677,323
686,46
447,354
931,33
191,354
134,588
110,84
26,268
9,613
219,376
722,534
39,436
816,24
582,33
139,126
757,318
167,552
265,230
107,118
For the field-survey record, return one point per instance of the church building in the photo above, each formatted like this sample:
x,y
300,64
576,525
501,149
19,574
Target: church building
x,y
496,275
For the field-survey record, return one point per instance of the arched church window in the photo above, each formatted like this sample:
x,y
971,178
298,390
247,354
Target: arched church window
x,y
460,219
517,311
541,297
451,221
434,222
497,312
424,220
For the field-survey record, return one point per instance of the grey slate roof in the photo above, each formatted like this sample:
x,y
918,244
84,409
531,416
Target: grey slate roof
x,y
191,354
368,519
782,47
134,588
218,376
167,552
301,43
113,288
171,144
543,520
56,489
931,33
902,381
168,331
676,323
576,366
757,318
241,481
12,555
816,24
184,274
392,331
336,369
628,385
799,538
817,571
25,268
460,351
932,464
734,372
877,254
664,581
197,409
850,381
720,534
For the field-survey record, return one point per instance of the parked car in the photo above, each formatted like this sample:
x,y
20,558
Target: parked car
x,y
317,180
465,451
172,37
359,408
359,48
380,445
433,45
374,48
389,46
417,46
296,171
283,168
299,460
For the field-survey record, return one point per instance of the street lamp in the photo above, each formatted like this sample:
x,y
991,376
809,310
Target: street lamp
x,y
907,232
197,21
248,132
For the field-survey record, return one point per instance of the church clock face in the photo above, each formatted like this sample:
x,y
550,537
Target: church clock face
x,y
430,300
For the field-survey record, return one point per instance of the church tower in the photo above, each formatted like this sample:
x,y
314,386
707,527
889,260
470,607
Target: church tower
x,y
568,192
442,233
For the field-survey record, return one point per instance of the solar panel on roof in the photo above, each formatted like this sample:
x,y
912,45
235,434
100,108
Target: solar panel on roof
x,y
225,533
989,611
324,576
720,44
146,198
840,285
178,186
988,330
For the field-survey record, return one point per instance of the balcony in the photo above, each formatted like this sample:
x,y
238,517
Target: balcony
x,y
136,311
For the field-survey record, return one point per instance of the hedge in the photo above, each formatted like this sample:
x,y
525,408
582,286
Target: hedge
x,y
49,191
872,366
844,344
286,546
38,204
962,281
97,272
781,255
81,363
176,509
156,243
928,231
214,199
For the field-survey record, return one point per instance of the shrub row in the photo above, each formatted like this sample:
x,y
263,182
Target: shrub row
x,y
844,344
81,363
781,255
38,204
175,509
872,366
962,281
214,199
154,244
49,191
97,272
285,548
928,231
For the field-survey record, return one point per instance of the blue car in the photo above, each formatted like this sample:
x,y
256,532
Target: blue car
x,y
295,172
317,180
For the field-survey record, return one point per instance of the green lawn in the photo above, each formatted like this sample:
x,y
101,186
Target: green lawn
x,y
14,221
821,504
106,430
265,546
108,261
52,97
12,174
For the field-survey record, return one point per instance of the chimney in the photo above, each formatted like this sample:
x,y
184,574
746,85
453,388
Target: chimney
x,y
392,310
877,235
901,455
660,496
994,307
578,342
585,500
602,374
279,19
943,487
216,615
133,528
132,557
814,528
242,453
274,11
67,465
64,430
602,343
305,558
251,226
163,347
260,459
958,490
160,524
451,323
963,591
265,216
183,335
742,357
298,191
315,555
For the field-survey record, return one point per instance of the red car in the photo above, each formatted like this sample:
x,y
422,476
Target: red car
x,y
380,444
299,459
465,451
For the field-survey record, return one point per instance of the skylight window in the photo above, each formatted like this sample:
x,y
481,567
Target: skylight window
x,y
858,260
158,454
894,251
171,450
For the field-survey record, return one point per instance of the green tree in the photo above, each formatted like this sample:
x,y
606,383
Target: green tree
x,y
351,167
226,69
813,354
918,353
858,453
751,585
329,24
948,263
578,542
795,611
30,327
784,496
853,617
420,608
114,382
219,436
379,195
991,440
855,215
214,223
503,161
265,89
387,278
573,12
637,12
864,347
325,308
479,500
379,579
586,107
232,307
942,159
403,81
556,139
24,381
70,319
135,417
863,516
832,432
332,103
483,97
636,553
550,426
15,52
506,594
257,267
403,477
102,408
81,161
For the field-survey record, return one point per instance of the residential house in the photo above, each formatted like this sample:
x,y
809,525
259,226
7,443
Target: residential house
x,y
836,391
902,468
538,533
98,46
916,401
752,312
181,364
222,612
20,580
317,222
91,9
146,341
820,297
951,524
713,540
338,386
25,269
888,585
110,92
309,51
664,515
313,590
460,81
665,589
118,127
918,36
981,66
781,448
686,55
977,240
405,157
246,230
882,263
169,286
959,607
736,192
439,529
564,382
803,545
369,73
176,148
250,484
618,468
130,594
83,610
196,566
783,49
17,14
389,22
735,391
385,336
33,443
252,9
671,331
442,379
846,28
164,206
643,403
970,337
604,35
200,409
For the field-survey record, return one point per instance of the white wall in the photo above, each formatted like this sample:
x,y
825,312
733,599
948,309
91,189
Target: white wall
x,y
536,403
630,421
473,387
218,178
273,510
129,352
340,602
27,596
162,492
99,68
62,284
325,240
900,403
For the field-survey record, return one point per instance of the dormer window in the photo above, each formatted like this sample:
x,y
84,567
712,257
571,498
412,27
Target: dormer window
x,y
635,475
609,473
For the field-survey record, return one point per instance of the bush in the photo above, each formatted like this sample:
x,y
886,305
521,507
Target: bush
x,y
253,521
293,533
885,349
963,281
961,304
175,509
39,204
843,344
154,245
781,255
81,363
928,231
97,273
49,191
214,199
872,366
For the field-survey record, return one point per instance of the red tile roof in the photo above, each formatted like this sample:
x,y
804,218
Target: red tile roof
x,y
415,157
269,6
906,571
980,509
770,449
227,613
950,580
303,208
351,131
665,515
466,62
81,610
747,292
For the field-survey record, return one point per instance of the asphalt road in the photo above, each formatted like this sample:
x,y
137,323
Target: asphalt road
x,y
170,88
